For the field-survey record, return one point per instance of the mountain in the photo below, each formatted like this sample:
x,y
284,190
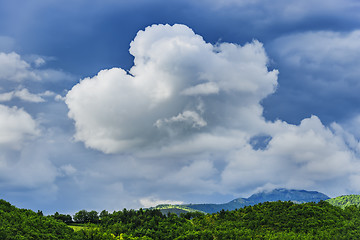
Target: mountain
x,y
344,201
280,194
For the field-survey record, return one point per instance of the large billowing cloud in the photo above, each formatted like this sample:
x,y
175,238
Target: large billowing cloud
x,y
190,121
198,105
179,86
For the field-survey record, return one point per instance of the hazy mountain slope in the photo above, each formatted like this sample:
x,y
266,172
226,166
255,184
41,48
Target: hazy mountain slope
x,y
282,194
300,196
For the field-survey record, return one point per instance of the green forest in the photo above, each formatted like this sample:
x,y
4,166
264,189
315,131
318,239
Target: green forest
x,y
345,201
269,220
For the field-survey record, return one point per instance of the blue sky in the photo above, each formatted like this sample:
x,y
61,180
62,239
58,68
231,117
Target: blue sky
x,y
126,104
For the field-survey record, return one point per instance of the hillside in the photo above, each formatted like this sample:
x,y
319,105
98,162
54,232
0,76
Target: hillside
x,y
280,194
269,220
345,201
18,223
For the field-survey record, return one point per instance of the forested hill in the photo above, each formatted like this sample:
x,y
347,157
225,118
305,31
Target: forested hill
x,y
269,220
280,194
344,201
18,223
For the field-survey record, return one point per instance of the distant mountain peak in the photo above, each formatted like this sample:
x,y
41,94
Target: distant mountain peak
x,y
277,194
283,194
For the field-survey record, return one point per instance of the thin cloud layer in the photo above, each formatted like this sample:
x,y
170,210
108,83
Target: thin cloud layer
x,y
323,65
313,50
24,95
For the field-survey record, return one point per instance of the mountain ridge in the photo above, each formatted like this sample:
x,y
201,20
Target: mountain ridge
x,y
278,194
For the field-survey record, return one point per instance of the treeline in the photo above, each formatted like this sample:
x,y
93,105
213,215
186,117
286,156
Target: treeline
x,y
18,223
270,220
82,216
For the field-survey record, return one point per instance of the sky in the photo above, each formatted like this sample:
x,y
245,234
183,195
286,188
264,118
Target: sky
x,y
112,104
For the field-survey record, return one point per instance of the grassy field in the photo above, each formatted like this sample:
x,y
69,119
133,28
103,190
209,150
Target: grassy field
x,y
77,227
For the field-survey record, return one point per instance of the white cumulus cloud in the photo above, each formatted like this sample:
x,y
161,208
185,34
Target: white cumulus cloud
x,y
16,126
173,80
14,68
197,106
303,156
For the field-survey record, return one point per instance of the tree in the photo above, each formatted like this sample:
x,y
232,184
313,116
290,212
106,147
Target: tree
x,y
81,216
84,216
93,217
104,214
62,217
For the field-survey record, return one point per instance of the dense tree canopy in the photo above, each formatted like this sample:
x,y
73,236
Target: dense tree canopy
x,y
62,217
345,201
270,220
25,224
84,216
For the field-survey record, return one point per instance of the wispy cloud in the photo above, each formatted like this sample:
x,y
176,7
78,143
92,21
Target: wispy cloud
x,y
25,95
13,68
